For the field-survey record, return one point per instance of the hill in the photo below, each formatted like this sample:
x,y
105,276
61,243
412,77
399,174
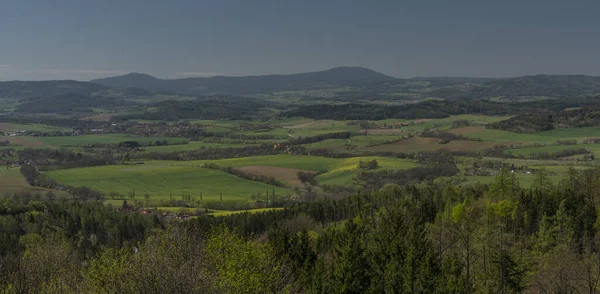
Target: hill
x,y
28,89
557,86
69,103
519,88
335,77
131,80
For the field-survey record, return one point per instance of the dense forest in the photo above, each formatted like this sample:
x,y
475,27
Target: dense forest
x,y
371,184
69,103
545,120
426,109
436,238
212,107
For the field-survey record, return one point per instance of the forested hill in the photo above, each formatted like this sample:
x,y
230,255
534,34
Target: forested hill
x,y
559,86
20,89
365,82
337,84
335,77
519,88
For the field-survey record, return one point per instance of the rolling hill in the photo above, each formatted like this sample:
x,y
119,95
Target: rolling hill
x,y
28,89
69,103
335,77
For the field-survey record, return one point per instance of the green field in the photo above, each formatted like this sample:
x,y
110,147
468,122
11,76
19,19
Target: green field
x,y
353,142
418,125
312,163
193,145
337,171
64,141
539,137
12,127
162,178
161,181
594,148
12,181
290,121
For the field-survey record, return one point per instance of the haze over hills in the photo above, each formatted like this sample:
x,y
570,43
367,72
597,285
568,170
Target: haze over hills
x,y
20,89
340,84
335,77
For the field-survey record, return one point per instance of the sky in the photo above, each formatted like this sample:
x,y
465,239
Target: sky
x,y
87,39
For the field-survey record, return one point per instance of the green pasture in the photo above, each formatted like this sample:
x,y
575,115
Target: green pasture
x,y
539,137
311,163
161,178
354,142
105,139
419,125
161,181
12,127
12,181
594,148
338,171
289,121
193,145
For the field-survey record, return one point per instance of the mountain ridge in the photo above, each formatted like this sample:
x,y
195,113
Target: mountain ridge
x,y
338,76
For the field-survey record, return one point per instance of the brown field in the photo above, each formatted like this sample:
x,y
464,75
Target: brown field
x,y
414,144
385,131
466,130
5,127
313,124
11,181
418,144
470,145
421,120
285,175
100,117
572,108
23,141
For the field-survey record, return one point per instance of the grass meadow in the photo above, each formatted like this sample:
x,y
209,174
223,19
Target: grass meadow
x,y
163,178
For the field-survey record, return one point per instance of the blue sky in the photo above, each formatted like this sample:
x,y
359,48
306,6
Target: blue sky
x,y
86,39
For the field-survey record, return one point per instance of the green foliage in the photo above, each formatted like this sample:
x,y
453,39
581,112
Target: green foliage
x,y
422,238
241,266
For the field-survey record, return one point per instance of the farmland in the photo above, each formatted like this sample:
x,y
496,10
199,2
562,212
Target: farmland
x,y
311,182
193,145
160,179
161,182
68,141
12,181
594,148
539,137
12,127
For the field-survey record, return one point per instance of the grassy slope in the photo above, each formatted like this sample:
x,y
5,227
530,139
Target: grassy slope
x,y
12,181
12,127
160,181
103,139
313,163
540,137
159,178
194,145
594,148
